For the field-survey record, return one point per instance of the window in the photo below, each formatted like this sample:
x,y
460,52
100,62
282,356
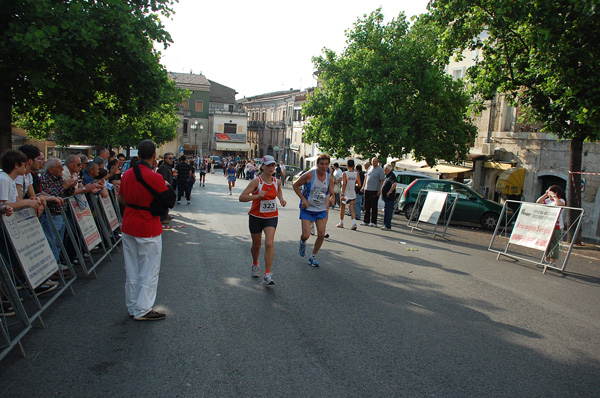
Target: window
x,y
185,127
186,105
458,73
436,186
199,106
463,193
230,128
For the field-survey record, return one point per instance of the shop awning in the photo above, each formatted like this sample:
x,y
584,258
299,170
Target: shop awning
x,y
445,169
497,165
408,164
510,182
232,146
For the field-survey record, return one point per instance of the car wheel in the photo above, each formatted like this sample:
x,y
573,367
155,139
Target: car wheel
x,y
408,209
489,221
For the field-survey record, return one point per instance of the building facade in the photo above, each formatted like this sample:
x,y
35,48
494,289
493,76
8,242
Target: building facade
x,y
513,159
228,124
270,123
193,114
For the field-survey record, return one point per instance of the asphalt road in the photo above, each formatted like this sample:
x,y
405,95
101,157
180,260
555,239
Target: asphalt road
x,y
388,314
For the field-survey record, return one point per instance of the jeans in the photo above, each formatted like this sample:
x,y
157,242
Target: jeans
x,y
358,205
388,212
54,240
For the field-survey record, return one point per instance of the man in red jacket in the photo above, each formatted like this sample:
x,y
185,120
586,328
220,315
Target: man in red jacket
x,y
142,236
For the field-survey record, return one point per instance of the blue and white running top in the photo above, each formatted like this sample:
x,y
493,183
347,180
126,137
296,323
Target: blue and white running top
x,y
316,193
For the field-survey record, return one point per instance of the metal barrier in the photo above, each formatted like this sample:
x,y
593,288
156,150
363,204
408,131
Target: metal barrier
x,y
433,207
27,260
530,230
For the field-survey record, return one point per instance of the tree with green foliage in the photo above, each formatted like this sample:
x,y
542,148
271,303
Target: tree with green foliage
x,y
386,94
86,64
545,55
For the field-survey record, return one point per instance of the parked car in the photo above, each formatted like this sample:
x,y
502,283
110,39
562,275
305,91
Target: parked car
x,y
403,178
470,206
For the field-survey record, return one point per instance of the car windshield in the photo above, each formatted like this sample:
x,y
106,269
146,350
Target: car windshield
x,y
463,192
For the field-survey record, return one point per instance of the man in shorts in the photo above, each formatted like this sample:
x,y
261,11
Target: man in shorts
x,y
315,190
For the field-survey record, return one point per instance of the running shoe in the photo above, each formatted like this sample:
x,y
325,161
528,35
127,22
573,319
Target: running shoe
x,y
340,225
267,280
302,248
179,202
189,202
312,229
327,235
313,261
255,272
364,224
374,225
354,227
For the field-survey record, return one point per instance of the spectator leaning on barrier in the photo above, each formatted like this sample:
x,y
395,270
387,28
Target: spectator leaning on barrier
x,y
25,182
14,164
53,184
142,236
104,154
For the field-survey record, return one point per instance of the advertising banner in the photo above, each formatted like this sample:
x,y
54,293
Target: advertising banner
x,y
432,208
109,211
534,226
86,223
31,245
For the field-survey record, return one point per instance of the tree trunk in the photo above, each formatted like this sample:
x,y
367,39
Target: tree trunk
x,y
574,184
5,117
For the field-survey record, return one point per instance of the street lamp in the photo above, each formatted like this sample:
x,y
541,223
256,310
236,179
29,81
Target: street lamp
x,y
195,127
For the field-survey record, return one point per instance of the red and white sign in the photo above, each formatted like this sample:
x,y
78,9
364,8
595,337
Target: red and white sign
x,y
534,226
86,223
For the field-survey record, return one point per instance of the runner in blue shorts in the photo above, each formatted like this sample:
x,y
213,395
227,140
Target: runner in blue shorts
x,y
315,189
230,174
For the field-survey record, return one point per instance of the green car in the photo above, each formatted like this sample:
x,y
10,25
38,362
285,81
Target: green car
x,y
470,207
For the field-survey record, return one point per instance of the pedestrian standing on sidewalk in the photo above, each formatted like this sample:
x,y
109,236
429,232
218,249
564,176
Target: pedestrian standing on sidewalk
x,y
388,194
554,197
230,175
372,191
263,215
142,235
360,179
315,189
349,180
184,173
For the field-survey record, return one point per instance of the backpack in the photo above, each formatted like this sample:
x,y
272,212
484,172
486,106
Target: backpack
x,y
163,201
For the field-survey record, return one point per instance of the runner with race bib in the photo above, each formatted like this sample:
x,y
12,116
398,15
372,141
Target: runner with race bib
x,y
263,192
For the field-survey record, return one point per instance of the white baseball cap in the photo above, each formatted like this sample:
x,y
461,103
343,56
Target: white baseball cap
x,y
267,160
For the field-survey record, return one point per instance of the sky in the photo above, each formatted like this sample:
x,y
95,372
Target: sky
x,y
261,46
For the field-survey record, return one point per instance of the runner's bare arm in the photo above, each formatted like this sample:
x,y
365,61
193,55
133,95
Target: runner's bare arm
x,y
246,196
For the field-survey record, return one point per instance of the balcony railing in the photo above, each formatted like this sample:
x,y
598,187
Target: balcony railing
x,y
257,124
279,124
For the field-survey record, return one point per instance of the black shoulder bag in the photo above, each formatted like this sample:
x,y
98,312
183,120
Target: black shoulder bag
x,y
163,201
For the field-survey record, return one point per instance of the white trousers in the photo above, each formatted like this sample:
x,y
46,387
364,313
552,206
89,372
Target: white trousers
x,y
142,264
